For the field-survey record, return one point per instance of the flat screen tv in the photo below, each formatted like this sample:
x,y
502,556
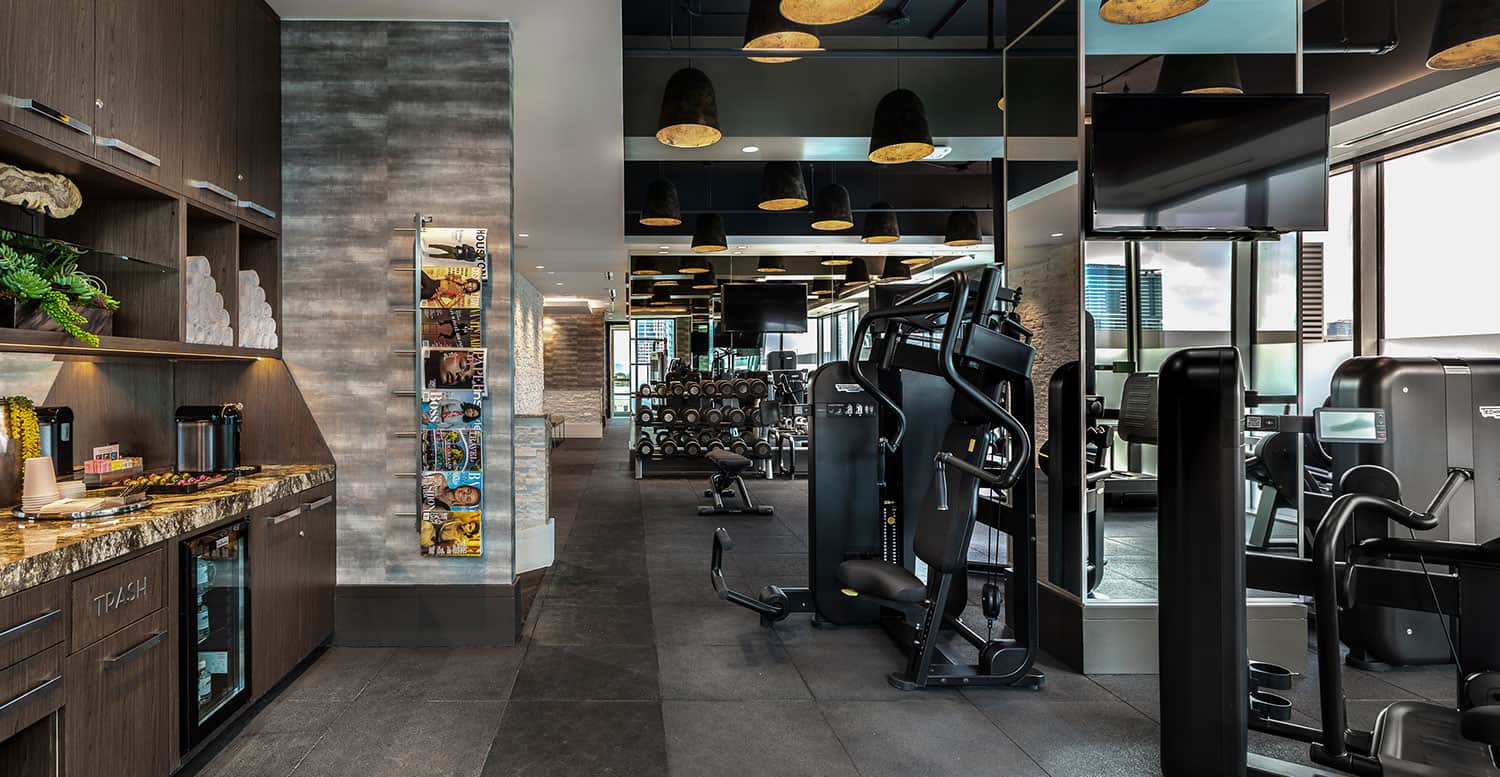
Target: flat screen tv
x,y
740,341
1191,165
765,307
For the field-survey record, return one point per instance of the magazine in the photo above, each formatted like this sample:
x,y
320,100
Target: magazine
x,y
452,491
452,328
453,450
455,246
458,286
453,368
452,410
452,533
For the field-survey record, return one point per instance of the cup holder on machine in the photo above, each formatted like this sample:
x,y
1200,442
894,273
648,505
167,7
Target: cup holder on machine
x,y
1270,706
1264,675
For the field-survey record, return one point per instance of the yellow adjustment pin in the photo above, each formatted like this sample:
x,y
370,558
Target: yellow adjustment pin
x,y
850,592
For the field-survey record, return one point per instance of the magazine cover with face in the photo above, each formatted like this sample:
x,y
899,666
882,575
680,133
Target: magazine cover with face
x,y
458,286
452,328
453,368
455,246
452,410
452,533
452,450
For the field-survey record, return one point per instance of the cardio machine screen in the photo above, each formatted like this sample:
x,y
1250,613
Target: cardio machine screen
x,y
1350,425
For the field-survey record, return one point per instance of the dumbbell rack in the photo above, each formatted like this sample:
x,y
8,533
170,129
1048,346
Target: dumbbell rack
x,y
674,423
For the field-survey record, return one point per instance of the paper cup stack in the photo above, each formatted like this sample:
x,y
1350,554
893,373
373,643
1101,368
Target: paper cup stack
x,y
257,327
39,489
207,318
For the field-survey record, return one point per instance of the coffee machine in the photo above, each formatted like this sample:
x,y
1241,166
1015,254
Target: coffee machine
x,y
54,426
208,437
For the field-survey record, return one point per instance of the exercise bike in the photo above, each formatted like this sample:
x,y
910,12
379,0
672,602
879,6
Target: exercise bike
x,y
864,552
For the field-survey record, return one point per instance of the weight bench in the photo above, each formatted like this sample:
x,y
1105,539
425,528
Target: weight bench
x,y
723,484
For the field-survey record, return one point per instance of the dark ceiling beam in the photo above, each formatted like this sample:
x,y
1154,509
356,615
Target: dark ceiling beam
x,y
759,212
675,53
953,10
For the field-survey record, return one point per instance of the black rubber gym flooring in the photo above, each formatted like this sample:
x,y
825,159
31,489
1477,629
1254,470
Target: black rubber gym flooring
x,y
631,666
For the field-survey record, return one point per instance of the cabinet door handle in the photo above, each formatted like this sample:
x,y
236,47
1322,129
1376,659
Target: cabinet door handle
x,y
15,632
318,503
116,143
286,516
131,653
45,686
258,208
48,112
214,188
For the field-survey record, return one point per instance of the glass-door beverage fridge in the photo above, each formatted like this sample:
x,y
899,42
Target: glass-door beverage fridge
x,y
215,629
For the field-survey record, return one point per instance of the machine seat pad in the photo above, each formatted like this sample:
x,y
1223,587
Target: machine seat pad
x,y
873,577
728,462
1418,739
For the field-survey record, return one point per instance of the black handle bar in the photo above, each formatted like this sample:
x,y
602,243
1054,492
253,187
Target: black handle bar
x,y
722,542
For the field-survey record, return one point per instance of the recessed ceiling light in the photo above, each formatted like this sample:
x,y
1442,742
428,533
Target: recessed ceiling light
x,y
664,248
939,152
750,149
541,267
523,234
662,252
742,247
1057,234
551,272
559,283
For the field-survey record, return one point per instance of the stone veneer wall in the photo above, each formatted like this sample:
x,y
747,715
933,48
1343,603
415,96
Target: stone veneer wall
x,y
381,120
1051,304
534,528
575,370
528,352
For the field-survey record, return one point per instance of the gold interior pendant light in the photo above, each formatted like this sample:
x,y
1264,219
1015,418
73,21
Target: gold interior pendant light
x,y
1145,11
826,11
766,28
689,111
1467,35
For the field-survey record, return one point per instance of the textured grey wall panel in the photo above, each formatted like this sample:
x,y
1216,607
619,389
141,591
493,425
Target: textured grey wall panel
x,y
381,120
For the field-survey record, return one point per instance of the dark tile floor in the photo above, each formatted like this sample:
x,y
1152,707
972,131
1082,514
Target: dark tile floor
x,y
631,666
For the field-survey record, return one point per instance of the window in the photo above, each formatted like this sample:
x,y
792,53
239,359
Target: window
x,y
1442,265
1327,268
1185,298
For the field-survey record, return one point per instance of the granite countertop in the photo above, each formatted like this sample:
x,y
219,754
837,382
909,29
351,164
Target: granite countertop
x,y
34,552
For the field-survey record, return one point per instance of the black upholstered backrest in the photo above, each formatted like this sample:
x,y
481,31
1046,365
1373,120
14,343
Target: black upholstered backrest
x,y
942,536
1138,411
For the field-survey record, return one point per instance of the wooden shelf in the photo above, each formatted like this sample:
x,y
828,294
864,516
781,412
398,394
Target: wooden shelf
x,y
34,341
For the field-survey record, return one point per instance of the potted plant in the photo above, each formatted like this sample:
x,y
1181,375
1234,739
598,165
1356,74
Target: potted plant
x,y
45,289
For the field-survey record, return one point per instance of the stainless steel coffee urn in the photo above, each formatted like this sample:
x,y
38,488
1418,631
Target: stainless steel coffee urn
x,y
208,437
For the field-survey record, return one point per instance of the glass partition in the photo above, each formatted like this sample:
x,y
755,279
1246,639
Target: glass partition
x,y
1327,269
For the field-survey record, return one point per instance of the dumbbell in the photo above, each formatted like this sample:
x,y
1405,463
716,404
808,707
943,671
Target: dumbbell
x,y
692,415
646,389
692,448
644,447
669,447
714,445
668,415
661,436
644,415
726,388
736,416
741,388
760,448
706,436
739,446
710,388
677,388
714,416
757,418
757,388
659,389
695,389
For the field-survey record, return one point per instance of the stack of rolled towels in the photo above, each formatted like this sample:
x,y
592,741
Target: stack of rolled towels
x,y
257,326
207,318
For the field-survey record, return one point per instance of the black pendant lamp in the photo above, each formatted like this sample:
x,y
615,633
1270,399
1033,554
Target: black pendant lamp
x,y
662,206
644,265
771,265
708,235
1145,11
689,111
660,298
881,225
1200,74
823,288
916,261
833,212
836,261
963,229
1467,35
663,282
900,133
782,187
857,274
766,28
817,12
895,270
705,281
694,265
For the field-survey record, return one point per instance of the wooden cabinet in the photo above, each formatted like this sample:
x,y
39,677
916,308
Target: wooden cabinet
x,y
118,712
48,57
208,117
276,581
319,539
257,177
138,83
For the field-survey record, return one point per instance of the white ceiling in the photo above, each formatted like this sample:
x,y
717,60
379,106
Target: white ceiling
x,y
569,130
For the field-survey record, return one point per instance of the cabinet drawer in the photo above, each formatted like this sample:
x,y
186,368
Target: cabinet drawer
x,y
30,691
119,711
32,621
105,601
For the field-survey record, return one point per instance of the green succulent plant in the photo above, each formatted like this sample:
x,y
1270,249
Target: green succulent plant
x,y
45,271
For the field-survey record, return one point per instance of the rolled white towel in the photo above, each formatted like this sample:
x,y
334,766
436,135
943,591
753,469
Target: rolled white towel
x,y
198,265
249,278
264,310
218,301
273,342
255,294
221,318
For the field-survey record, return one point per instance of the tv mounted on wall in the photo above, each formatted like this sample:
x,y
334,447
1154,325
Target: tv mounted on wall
x,y
765,307
1165,166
